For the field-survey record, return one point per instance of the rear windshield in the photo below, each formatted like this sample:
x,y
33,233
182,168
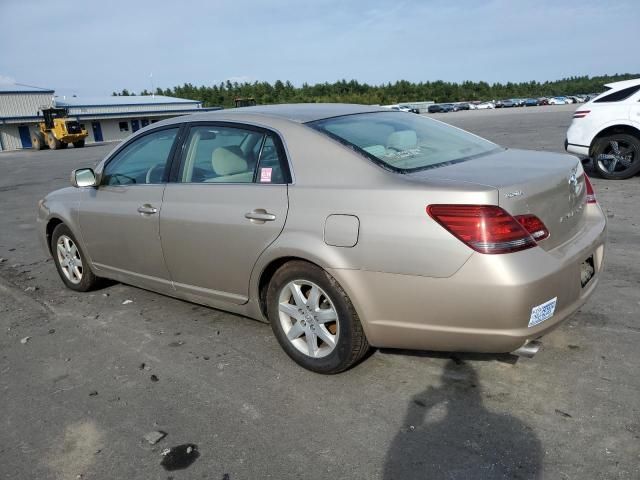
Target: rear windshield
x,y
404,142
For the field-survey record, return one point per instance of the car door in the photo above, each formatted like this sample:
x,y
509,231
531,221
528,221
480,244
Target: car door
x,y
227,204
119,219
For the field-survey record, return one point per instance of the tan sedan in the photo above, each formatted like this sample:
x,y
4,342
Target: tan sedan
x,y
343,226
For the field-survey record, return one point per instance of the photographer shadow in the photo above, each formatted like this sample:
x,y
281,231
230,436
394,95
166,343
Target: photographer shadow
x,y
448,434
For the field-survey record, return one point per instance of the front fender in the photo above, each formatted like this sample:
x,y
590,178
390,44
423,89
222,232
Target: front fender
x,y
60,206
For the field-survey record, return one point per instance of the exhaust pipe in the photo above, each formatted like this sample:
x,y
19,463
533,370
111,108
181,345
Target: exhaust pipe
x,y
528,350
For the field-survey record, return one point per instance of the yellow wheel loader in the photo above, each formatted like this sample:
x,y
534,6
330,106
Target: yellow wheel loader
x,y
57,131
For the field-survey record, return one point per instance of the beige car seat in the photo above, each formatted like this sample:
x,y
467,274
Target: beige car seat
x,y
230,166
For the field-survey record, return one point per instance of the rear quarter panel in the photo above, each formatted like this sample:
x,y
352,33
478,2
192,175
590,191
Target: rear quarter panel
x,y
395,233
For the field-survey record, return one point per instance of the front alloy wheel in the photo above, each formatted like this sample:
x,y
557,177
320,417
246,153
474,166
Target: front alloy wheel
x,y
69,259
71,263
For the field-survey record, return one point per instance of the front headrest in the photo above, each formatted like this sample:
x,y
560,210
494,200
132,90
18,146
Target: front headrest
x,y
225,161
402,140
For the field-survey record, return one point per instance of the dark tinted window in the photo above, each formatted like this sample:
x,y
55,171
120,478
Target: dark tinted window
x,y
618,95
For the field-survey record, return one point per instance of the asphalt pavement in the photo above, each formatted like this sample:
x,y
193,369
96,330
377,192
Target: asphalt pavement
x,y
84,377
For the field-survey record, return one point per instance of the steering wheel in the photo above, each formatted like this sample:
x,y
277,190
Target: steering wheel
x,y
153,171
117,176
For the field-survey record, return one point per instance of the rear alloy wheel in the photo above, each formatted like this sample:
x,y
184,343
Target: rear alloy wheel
x,y
617,157
313,319
70,262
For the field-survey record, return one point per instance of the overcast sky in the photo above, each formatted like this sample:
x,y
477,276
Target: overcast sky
x,y
95,47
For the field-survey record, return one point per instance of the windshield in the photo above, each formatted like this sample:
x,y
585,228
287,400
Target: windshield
x,y
404,143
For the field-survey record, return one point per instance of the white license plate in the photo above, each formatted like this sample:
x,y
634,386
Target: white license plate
x,y
543,312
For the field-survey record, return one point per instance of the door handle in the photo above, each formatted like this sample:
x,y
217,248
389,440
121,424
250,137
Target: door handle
x,y
260,215
147,209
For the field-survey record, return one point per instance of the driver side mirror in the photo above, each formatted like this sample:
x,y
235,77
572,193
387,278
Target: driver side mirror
x,y
83,177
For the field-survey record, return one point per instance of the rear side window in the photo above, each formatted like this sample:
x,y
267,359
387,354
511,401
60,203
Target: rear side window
x,y
618,95
222,154
404,142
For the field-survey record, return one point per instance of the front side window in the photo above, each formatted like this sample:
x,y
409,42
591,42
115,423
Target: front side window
x,y
404,143
221,154
143,161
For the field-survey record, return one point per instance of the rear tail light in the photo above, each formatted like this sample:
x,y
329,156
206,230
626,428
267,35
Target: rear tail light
x,y
581,113
591,194
488,228
534,226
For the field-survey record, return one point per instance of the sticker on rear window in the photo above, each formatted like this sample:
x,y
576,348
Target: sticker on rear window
x,y
265,174
542,312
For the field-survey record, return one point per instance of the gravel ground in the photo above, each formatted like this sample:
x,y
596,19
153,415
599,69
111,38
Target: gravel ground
x,y
84,377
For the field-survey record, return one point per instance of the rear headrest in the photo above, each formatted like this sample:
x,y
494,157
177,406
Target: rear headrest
x,y
227,161
402,140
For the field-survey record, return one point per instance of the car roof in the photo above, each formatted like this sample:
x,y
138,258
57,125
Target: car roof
x,y
295,112
623,84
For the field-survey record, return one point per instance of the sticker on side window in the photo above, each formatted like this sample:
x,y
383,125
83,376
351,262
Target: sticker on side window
x,y
543,312
265,174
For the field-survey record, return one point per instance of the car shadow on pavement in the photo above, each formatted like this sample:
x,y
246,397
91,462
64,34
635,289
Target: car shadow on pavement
x,y
448,433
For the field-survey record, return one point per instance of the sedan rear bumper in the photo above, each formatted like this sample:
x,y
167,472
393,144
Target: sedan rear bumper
x,y
485,306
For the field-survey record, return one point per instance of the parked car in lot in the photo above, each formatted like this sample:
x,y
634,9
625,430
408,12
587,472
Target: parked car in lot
x,y
543,101
507,103
518,102
440,108
607,130
343,226
531,102
558,101
484,106
462,106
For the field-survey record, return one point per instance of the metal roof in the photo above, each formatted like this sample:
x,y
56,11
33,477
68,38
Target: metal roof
x,y
120,101
21,88
297,112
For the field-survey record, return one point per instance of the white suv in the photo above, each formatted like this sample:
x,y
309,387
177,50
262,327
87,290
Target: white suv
x,y
607,129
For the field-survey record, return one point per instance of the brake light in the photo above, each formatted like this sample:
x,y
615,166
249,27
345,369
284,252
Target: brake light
x,y
581,113
484,228
533,225
591,194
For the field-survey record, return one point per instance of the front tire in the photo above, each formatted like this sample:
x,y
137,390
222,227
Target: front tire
x,y
53,142
313,319
37,141
71,262
78,144
617,156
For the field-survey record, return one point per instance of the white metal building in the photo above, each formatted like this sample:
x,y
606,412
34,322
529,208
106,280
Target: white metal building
x,y
105,118
19,112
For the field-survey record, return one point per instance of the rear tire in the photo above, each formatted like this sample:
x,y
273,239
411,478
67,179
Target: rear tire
x,y
37,141
53,142
319,310
617,156
78,144
71,262
63,145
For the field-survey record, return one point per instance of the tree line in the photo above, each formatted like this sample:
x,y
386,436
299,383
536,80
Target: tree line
x,y
402,91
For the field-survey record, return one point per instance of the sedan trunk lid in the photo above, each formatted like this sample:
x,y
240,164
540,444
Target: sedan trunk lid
x,y
548,185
